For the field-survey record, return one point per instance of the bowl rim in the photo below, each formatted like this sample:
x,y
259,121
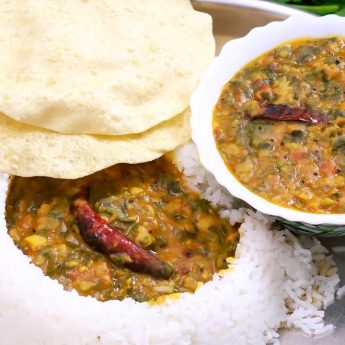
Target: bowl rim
x,y
221,70
279,9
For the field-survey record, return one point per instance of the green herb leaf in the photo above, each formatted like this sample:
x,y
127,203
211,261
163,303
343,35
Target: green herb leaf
x,y
319,7
341,12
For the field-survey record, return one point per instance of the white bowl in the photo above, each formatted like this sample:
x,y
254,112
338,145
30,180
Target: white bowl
x,y
234,55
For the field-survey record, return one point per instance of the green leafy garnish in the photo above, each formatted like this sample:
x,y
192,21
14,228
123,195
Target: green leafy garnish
x,y
319,7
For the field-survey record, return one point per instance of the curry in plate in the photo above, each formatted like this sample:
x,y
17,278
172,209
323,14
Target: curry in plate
x,y
179,237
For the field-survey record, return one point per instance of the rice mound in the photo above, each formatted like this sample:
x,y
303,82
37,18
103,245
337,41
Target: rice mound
x,y
276,280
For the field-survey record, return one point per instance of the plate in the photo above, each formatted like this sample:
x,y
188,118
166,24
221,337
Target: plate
x,y
235,18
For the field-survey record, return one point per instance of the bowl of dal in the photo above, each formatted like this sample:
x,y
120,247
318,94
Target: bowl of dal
x,y
268,121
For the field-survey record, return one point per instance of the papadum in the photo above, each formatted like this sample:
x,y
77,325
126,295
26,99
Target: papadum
x,y
100,66
32,151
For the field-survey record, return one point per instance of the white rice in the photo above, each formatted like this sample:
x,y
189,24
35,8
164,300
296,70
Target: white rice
x,y
275,281
341,292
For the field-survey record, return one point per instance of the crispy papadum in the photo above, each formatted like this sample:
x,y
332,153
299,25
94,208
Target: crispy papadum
x,y
100,66
33,151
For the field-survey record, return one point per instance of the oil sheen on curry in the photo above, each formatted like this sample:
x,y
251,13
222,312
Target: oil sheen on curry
x,y
127,231
279,125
